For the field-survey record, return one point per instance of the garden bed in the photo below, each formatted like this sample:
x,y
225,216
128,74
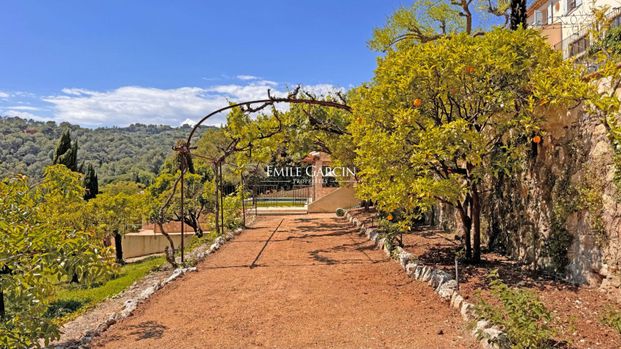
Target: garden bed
x,y
577,311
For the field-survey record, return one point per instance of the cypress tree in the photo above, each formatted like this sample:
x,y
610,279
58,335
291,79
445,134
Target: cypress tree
x,y
90,183
67,152
518,14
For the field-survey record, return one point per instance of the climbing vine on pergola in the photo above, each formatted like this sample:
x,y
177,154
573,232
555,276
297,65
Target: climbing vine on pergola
x,y
184,149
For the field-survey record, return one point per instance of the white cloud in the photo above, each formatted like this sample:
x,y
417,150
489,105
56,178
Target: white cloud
x,y
24,115
247,77
23,107
136,104
188,122
4,94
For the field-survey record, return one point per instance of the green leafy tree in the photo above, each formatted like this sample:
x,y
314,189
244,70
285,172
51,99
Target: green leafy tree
x,y
44,240
428,20
441,119
197,196
119,209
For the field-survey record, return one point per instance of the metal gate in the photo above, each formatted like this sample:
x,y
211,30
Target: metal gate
x,y
281,194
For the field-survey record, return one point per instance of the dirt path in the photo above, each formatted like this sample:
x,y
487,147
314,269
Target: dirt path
x,y
315,284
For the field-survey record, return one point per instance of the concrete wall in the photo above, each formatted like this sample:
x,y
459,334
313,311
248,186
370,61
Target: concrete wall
x,y
140,244
343,197
170,227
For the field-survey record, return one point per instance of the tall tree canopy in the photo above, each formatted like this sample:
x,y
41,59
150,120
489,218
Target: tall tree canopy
x,y
440,118
428,20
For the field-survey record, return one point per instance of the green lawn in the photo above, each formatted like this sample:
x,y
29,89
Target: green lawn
x,y
72,300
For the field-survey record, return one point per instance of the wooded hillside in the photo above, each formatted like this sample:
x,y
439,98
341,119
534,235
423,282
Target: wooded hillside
x,y
135,152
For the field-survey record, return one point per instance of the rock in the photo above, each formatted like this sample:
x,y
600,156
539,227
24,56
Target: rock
x,y
466,310
370,232
128,308
147,292
387,251
426,274
418,271
479,327
438,278
493,338
456,300
446,290
405,258
380,242
410,269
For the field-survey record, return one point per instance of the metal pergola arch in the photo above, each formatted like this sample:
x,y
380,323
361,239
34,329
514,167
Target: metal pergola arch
x,y
185,148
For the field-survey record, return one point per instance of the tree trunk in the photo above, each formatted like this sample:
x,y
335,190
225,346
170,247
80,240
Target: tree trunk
x,y
118,247
242,201
169,251
518,14
217,206
466,225
221,200
191,219
2,311
476,224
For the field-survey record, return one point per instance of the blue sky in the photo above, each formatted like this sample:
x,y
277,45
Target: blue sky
x,y
117,62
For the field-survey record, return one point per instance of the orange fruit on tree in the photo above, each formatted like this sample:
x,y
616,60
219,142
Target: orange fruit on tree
x,y
470,69
418,102
537,139
389,217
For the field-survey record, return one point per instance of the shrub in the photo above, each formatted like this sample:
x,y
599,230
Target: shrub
x,y
391,233
611,42
519,313
340,212
232,212
612,318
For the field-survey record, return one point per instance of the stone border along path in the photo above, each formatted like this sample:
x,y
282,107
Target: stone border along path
x,y
443,283
78,333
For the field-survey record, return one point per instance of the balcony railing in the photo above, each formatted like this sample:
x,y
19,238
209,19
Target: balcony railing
x,y
578,43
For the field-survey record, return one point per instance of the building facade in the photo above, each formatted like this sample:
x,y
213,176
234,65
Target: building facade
x,y
566,23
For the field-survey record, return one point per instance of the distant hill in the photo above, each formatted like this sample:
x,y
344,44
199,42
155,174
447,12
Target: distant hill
x,y
135,152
